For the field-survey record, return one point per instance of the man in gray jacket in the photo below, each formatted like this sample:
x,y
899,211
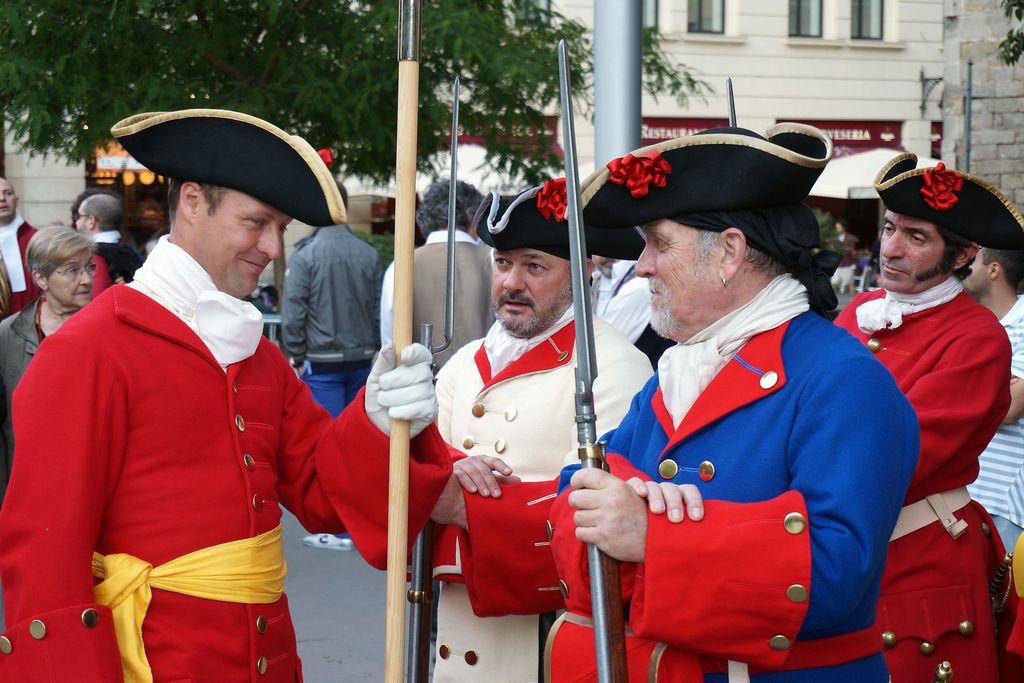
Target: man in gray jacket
x,y
329,320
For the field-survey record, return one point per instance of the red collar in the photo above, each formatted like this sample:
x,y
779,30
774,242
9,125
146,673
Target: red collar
x,y
736,385
553,352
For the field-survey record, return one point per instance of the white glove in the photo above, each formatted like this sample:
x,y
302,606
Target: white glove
x,y
405,392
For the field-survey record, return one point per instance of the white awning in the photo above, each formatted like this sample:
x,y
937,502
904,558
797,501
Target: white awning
x,y
853,176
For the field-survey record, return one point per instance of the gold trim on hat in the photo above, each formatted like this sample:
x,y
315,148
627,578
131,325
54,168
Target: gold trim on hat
x,y
882,184
336,207
592,183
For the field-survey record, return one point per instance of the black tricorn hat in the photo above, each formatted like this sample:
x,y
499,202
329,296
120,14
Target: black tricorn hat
x,y
237,151
961,203
535,219
722,169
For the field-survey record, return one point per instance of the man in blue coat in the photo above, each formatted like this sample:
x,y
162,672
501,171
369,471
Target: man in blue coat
x,y
758,476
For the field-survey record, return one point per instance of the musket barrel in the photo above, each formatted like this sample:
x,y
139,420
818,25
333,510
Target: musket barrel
x,y
409,31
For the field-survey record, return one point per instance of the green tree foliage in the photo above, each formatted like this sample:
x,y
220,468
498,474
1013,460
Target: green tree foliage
x,y
326,70
1012,47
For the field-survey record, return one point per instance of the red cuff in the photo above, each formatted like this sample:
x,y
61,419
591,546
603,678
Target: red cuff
x,y
69,644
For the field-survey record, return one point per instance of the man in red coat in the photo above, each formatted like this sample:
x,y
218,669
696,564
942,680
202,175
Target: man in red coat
x,y
951,358
15,233
141,531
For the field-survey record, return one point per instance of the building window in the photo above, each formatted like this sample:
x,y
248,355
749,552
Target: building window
x,y
533,11
866,19
706,16
650,14
805,18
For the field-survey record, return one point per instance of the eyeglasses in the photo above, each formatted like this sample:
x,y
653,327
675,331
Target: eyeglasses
x,y
75,272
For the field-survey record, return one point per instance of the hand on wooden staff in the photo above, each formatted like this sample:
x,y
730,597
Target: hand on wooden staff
x,y
612,513
405,392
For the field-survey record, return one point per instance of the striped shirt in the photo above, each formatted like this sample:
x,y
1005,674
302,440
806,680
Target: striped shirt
x,y
1000,484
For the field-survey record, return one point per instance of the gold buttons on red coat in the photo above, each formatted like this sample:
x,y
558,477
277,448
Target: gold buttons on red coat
x,y
240,423
965,627
874,346
668,468
261,624
261,666
769,379
471,657
444,652
927,648
90,618
794,523
249,461
37,629
5,645
888,639
779,643
706,470
796,593
478,410
257,502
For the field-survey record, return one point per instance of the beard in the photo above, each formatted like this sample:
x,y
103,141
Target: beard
x,y
662,321
540,320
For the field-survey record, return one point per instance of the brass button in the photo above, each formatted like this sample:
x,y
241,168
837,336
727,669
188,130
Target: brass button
x,y
888,638
37,629
479,410
874,346
261,624
796,593
257,502
443,652
471,657
779,643
511,414
234,386
240,423
668,468
986,529
5,645
250,463
795,522
769,379
468,441
261,666
500,445
966,628
706,470
550,529
90,618
563,588
927,648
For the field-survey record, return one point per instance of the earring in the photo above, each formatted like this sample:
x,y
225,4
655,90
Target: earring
x,y
725,283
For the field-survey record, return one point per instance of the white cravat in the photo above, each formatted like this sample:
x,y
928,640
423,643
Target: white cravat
x,y
888,312
503,349
686,369
11,254
229,327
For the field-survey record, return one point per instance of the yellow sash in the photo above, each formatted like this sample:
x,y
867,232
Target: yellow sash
x,y
249,570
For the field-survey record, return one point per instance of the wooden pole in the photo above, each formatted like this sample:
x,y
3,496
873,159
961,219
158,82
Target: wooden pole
x,y
405,208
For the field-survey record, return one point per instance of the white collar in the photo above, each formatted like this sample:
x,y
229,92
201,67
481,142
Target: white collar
x,y
888,312
1015,314
107,237
441,237
13,225
229,327
503,349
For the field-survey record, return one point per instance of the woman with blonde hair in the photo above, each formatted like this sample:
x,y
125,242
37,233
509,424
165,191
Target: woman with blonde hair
x,y
60,262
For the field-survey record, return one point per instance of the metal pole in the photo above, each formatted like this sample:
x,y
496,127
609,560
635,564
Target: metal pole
x,y
618,47
968,105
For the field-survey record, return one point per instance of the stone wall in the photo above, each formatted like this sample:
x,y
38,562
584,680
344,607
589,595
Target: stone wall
x,y
973,31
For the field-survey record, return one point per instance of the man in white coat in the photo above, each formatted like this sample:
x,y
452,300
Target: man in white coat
x,y
508,402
